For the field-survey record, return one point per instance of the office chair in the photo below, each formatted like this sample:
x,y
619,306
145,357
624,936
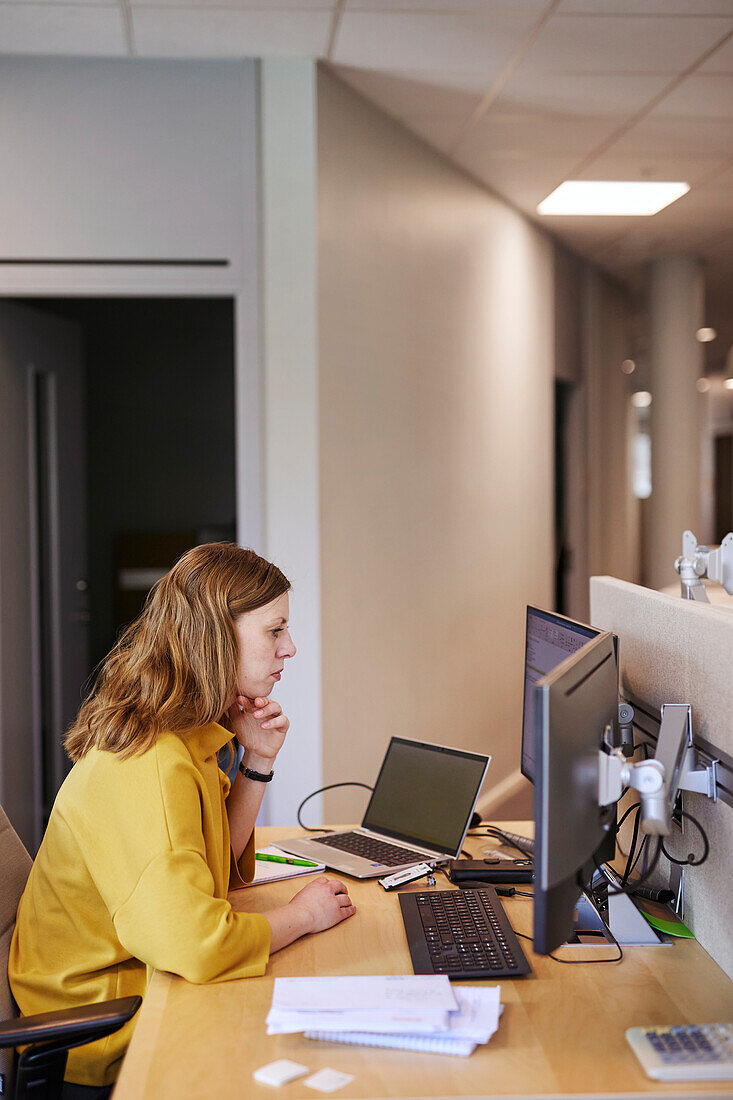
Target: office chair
x,y
38,1073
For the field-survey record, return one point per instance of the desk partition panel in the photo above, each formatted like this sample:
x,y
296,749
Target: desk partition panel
x,y
678,651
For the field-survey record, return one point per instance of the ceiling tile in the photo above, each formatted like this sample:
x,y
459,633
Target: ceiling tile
x,y
470,42
648,165
647,7
227,32
66,3
617,44
62,29
620,94
512,133
413,94
535,7
721,61
245,5
706,96
673,137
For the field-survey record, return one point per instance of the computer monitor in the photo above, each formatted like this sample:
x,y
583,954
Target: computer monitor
x,y
576,708
549,640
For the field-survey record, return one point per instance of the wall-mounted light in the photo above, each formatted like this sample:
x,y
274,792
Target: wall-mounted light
x,y
642,399
613,198
728,383
702,385
628,366
705,335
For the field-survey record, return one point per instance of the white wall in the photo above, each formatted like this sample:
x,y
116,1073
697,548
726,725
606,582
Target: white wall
x,y
211,165
436,384
123,159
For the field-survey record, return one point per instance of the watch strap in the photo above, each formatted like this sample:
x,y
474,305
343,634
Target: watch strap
x,y
260,777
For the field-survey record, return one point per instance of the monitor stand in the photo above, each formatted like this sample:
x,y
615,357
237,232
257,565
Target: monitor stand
x,y
598,910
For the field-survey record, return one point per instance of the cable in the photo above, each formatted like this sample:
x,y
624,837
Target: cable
x,y
491,831
330,787
578,962
690,861
570,962
631,889
632,846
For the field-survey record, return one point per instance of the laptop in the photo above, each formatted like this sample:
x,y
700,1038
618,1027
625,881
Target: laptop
x,y
420,810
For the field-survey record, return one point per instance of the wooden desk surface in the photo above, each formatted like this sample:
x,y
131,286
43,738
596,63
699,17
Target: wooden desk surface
x,y
562,1030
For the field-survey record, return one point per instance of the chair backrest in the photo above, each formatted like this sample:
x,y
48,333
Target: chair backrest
x,y
15,865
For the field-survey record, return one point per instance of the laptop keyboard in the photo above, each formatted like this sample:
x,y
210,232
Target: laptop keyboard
x,y
376,851
464,934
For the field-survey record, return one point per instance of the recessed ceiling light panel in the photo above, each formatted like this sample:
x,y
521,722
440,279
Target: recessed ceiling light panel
x,y
612,198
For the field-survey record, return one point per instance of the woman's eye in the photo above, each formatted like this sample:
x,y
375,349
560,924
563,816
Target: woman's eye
x,y
277,631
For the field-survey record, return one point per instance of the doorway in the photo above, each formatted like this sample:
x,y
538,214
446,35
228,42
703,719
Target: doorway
x,y
157,475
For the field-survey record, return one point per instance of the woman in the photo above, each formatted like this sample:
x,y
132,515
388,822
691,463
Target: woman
x,y
148,833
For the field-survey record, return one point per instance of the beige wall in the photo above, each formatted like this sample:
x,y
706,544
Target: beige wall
x,y
436,402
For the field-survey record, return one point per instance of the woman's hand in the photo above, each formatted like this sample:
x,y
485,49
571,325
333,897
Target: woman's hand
x,y
322,903
260,727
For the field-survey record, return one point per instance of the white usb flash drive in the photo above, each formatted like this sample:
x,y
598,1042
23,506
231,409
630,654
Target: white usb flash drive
x,y
401,877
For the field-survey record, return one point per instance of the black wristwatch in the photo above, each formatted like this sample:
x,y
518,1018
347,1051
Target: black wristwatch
x,y
248,773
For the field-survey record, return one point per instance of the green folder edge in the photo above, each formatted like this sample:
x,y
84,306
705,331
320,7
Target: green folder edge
x,y
669,927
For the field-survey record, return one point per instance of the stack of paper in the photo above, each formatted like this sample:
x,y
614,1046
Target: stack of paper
x,y
422,1012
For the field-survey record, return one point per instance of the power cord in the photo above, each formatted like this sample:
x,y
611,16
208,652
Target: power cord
x,y
581,962
490,830
690,861
330,787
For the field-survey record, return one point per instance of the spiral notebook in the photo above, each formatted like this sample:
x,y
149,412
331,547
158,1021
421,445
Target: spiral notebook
x,y
430,1044
472,1023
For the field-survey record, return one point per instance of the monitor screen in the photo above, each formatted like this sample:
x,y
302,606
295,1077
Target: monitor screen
x,y
425,794
550,638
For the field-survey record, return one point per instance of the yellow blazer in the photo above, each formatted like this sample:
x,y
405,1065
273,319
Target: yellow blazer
x,y
132,875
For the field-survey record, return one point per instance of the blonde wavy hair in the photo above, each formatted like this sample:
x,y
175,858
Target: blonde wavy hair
x,y
175,666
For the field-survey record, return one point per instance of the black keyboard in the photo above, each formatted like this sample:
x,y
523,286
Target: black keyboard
x,y
375,850
461,933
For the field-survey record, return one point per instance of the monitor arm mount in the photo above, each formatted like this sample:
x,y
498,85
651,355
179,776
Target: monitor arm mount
x,y
675,767
713,562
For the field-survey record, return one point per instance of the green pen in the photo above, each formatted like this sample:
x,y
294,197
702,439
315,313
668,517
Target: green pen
x,y
284,859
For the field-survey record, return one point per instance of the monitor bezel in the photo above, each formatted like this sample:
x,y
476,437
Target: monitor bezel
x,y
556,893
562,620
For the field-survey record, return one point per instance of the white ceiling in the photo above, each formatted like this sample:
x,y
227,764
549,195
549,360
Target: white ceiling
x,y
520,93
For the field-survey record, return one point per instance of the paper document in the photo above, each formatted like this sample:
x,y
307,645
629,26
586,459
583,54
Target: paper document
x,y
473,1021
289,1023
394,1003
431,992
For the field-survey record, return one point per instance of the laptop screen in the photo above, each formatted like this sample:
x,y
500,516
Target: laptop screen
x,y
425,794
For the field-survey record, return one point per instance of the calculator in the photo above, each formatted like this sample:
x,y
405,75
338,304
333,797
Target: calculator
x,y
686,1053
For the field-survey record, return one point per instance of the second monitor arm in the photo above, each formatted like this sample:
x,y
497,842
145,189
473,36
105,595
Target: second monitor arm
x,y
674,768
713,562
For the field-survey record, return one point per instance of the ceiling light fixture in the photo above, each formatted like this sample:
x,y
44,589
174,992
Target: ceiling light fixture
x,y
628,366
642,399
611,197
705,335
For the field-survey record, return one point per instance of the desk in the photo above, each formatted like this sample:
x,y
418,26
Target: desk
x,y
562,1030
